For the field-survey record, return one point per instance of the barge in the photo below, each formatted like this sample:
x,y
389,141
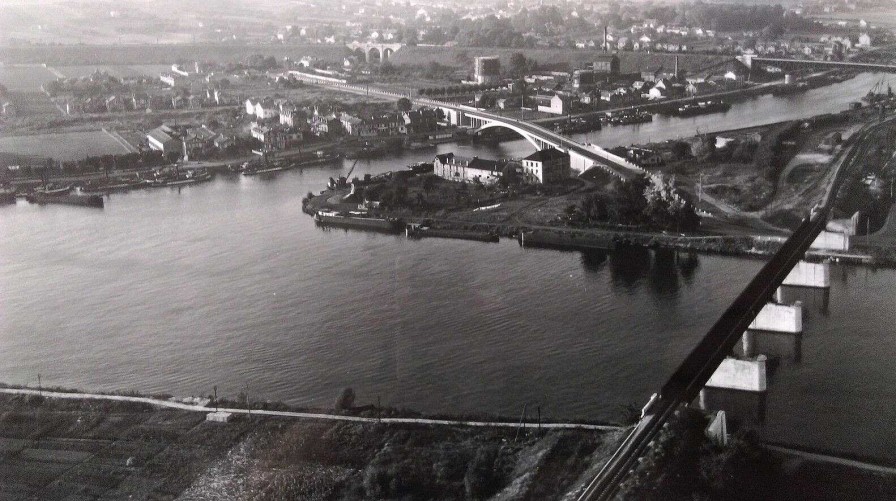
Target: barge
x,y
702,108
418,231
357,221
82,200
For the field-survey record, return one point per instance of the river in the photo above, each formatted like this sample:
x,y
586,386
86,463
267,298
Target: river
x,y
227,284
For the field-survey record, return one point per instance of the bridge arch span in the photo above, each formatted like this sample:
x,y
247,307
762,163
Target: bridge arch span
x,y
539,143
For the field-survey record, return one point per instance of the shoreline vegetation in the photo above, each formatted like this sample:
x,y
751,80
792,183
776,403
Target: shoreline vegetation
x,y
55,447
118,449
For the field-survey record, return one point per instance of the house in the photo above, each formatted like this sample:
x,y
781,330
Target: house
x,y
325,124
354,126
546,166
699,88
606,64
266,109
582,79
168,79
291,116
275,136
164,139
422,121
387,124
864,41
452,168
657,92
555,104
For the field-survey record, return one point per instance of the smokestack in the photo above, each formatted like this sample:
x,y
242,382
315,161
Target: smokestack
x,y
676,66
606,45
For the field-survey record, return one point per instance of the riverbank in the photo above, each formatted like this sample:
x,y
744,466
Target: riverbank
x,y
114,447
56,447
507,219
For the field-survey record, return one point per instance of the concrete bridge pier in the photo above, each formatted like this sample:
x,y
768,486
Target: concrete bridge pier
x,y
779,318
747,374
805,274
779,345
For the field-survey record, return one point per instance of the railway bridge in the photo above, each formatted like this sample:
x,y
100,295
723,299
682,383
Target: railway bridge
x,y
758,308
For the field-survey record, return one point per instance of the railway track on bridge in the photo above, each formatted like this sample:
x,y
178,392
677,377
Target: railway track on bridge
x,y
689,378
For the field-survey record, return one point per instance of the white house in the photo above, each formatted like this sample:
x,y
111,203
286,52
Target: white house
x,y
546,166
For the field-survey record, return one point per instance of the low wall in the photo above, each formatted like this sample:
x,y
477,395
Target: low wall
x,y
745,375
809,275
779,318
829,240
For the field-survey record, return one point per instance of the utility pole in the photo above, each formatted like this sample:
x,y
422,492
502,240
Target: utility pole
x,y
216,398
539,420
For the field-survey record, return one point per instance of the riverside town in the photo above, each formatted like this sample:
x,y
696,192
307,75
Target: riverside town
x,y
411,250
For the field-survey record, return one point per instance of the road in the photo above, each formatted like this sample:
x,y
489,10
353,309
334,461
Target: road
x,y
307,415
825,458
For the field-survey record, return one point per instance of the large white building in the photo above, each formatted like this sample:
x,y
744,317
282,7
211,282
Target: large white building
x,y
546,166
452,168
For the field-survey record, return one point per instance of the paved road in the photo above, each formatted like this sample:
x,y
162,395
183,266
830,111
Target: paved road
x,y
824,458
306,415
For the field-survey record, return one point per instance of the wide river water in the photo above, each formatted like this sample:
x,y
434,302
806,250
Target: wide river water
x,y
229,284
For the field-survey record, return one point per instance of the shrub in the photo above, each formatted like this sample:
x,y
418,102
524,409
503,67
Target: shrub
x,y
345,400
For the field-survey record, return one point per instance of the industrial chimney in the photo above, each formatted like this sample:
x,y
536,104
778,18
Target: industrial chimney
x,y
606,45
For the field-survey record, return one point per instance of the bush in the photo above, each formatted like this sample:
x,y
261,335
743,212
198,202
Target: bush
x,y
345,400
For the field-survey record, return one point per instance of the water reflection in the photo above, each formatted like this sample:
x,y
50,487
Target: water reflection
x,y
813,298
593,260
779,347
662,270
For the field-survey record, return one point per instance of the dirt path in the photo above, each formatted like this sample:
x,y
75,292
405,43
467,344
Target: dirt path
x,y
305,415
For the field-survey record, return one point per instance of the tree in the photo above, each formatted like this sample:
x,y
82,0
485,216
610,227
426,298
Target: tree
x,y
518,64
345,400
404,104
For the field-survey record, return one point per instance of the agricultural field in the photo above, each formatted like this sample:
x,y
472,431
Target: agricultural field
x,y
25,78
64,146
54,449
32,104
